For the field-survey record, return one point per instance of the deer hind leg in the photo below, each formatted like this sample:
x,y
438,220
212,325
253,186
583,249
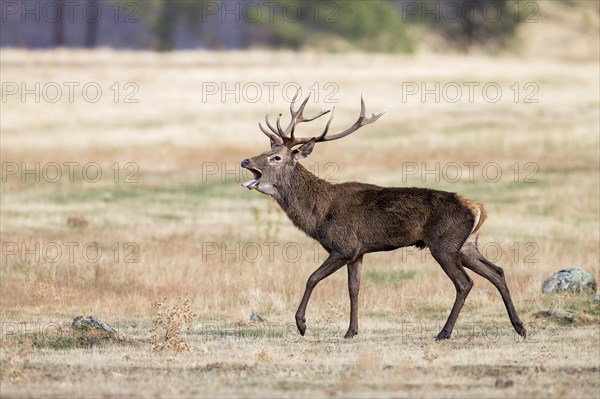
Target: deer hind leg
x,y
450,263
354,269
472,259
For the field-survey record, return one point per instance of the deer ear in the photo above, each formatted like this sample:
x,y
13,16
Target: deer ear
x,y
304,150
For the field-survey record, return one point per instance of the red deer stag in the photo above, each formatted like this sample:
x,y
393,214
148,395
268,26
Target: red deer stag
x,y
352,219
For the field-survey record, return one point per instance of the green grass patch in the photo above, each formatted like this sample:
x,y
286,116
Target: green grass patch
x,y
568,310
250,331
392,278
65,338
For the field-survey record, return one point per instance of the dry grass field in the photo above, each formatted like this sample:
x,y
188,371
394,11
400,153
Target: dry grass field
x,y
166,217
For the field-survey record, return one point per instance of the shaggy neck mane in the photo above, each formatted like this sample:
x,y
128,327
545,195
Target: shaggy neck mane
x,y
304,198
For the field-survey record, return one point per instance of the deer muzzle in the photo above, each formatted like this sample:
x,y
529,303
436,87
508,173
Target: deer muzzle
x,y
252,183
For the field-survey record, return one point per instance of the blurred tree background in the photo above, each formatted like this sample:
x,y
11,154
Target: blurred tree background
x,y
332,25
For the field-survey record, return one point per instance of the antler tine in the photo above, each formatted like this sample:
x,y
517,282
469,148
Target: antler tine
x,y
303,140
302,106
292,113
320,114
295,116
269,123
281,131
322,136
303,119
360,122
298,117
276,139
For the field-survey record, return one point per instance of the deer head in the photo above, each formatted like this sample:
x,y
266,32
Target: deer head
x,y
273,168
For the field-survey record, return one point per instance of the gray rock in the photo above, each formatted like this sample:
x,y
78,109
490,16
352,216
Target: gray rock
x,y
596,299
571,279
255,317
91,322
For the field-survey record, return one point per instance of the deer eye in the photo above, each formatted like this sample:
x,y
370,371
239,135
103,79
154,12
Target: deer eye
x,y
277,158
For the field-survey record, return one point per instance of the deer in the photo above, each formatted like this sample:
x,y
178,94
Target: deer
x,y
352,219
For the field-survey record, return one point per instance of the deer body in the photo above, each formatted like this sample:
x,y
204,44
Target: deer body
x,y
352,219
357,218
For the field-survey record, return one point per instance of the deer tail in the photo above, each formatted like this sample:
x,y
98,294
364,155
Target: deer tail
x,y
480,216
478,211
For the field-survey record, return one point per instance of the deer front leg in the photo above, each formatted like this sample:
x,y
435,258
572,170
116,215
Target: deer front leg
x,y
331,264
354,269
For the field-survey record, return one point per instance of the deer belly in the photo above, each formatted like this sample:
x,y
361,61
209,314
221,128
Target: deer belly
x,y
392,243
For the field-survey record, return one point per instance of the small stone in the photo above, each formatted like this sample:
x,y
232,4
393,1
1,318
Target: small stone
x,y
596,299
91,322
572,279
255,317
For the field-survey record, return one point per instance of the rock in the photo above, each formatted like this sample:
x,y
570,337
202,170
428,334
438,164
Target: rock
x,y
255,317
91,322
596,299
571,279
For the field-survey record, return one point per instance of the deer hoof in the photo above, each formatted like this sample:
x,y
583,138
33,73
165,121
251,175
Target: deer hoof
x,y
350,334
301,324
521,330
442,335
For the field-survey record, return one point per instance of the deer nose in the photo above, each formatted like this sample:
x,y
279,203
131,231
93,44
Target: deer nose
x,y
245,163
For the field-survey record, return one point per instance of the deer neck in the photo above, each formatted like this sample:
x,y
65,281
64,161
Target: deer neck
x,y
304,199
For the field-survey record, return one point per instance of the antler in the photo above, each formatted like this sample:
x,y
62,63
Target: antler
x,y
298,117
286,137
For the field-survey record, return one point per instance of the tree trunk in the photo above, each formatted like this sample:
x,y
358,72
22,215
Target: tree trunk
x,y
59,24
91,27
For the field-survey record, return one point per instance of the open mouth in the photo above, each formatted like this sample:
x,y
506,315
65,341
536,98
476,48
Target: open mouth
x,y
253,183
